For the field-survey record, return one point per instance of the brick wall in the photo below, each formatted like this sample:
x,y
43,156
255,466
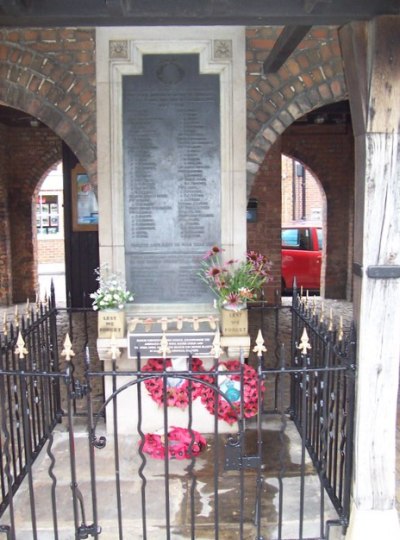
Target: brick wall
x,y
50,73
310,78
51,250
315,198
328,150
5,259
265,234
314,195
30,154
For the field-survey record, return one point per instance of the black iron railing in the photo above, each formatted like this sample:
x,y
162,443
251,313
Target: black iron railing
x,y
29,392
322,395
302,430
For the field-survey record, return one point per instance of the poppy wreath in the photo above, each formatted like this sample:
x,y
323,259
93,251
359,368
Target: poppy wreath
x,y
177,395
182,444
226,411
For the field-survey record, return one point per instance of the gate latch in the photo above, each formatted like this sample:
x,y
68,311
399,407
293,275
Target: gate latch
x,y
84,531
79,392
235,461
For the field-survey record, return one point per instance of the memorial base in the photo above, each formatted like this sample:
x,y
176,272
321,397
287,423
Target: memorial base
x,y
152,418
236,347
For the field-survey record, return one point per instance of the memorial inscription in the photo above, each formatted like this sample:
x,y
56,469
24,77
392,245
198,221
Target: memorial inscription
x,y
171,134
198,344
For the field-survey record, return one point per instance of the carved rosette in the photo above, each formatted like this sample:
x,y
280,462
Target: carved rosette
x,y
118,48
222,49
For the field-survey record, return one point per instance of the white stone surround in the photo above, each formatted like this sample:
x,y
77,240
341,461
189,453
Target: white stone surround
x,y
119,52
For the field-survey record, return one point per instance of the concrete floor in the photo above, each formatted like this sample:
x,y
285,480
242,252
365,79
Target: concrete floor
x,y
282,454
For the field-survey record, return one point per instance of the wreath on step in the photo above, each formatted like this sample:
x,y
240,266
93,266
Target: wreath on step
x,y
182,444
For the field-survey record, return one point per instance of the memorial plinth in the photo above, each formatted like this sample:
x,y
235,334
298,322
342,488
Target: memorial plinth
x,y
175,338
171,181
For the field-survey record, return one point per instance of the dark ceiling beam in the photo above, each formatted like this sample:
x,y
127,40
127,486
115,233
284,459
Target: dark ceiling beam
x,y
117,7
309,5
15,7
191,12
286,43
288,40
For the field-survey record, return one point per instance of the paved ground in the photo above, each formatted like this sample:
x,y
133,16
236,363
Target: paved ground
x,y
53,273
189,490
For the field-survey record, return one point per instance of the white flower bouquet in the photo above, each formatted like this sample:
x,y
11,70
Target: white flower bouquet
x,y
112,292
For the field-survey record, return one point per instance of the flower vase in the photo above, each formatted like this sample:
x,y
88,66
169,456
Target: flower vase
x,y
234,320
111,323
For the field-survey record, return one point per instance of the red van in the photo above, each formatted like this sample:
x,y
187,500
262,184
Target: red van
x,y
301,257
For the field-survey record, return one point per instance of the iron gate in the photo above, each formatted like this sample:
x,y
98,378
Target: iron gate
x,y
276,464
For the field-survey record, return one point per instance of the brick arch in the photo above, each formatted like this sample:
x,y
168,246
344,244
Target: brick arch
x,y
311,78
44,171
310,162
20,195
57,87
328,150
44,165
311,165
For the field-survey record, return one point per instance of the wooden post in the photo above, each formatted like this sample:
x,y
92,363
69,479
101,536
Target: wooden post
x,y
371,52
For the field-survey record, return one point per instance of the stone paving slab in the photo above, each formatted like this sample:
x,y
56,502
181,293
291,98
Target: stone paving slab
x,y
277,458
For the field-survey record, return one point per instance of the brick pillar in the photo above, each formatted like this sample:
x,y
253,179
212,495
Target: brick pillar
x,y
265,234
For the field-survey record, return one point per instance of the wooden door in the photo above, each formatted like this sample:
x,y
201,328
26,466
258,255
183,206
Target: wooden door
x,y
81,232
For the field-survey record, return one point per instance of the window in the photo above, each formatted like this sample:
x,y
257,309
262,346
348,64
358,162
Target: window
x,y
304,239
319,236
47,214
296,238
290,238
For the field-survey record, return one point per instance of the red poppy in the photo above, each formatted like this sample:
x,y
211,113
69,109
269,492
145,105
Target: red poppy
x,y
182,444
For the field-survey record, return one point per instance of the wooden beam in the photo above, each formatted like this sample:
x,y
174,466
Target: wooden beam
x,y
15,7
309,5
117,7
372,67
353,40
371,52
196,12
286,43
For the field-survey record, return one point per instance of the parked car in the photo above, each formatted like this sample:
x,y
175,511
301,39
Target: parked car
x,y
301,257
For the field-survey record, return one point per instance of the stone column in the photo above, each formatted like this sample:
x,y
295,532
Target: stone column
x,y
371,52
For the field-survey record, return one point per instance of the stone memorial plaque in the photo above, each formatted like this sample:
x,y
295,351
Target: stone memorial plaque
x,y
171,149
199,344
